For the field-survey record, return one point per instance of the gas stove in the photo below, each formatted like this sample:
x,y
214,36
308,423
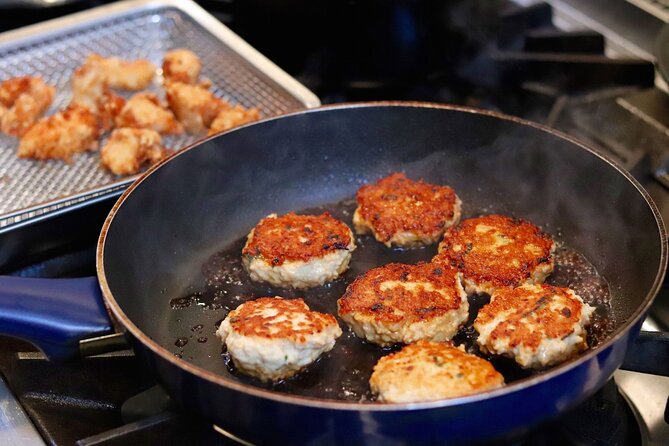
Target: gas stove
x,y
110,399
489,54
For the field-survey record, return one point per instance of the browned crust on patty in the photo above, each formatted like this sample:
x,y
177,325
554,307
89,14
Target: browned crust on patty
x,y
248,319
293,237
367,295
396,204
531,308
523,248
452,364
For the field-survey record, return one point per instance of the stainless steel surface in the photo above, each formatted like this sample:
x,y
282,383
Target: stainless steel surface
x,y
650,325
34,3
131,29
232,437
651,106
648,395
658,8
627,29
15,427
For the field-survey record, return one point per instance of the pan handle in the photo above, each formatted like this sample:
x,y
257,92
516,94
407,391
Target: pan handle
x,y
649,353
53,314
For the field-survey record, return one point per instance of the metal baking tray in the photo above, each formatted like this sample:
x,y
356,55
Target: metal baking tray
x,y
33,190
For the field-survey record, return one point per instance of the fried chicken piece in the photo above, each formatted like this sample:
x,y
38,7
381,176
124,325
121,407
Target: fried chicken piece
x,y
145,111
127,149
109,106
125,74
89,84
90,89
181,65
22,101
19,118
61,135
12,88
233,117
194,105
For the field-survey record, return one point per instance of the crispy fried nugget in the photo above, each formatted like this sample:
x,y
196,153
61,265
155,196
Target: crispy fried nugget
x,y
398,303
61,135
537,325
427,371
126,74
194,105
145,111
89,84
90,89
109,106
12,88
403,212
497,251
23,100
181,65
127,149
233,117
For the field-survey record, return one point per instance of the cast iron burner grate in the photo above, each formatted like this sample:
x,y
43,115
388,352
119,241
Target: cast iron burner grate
x,y
110,400
461,52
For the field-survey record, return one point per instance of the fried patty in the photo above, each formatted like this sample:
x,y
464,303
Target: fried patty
x,y
497,251
400,303
403,212
427,371
537,325
300,251
273,338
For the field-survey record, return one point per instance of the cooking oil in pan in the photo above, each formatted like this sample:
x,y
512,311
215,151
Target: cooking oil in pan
x,y
343,372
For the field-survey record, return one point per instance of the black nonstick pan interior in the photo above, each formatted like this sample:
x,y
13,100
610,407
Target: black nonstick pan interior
x,y
165,253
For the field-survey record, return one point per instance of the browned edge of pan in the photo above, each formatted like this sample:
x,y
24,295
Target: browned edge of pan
x,y
165,354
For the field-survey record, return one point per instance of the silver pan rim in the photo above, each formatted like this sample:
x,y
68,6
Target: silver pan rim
x,y
117,312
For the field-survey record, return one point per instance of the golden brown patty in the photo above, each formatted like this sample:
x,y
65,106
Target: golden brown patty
x,y
273,338
400,211
405,303
293,237
277,318
537,325
427,371
497,251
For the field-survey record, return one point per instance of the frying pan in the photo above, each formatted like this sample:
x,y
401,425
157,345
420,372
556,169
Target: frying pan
x,y
168,226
